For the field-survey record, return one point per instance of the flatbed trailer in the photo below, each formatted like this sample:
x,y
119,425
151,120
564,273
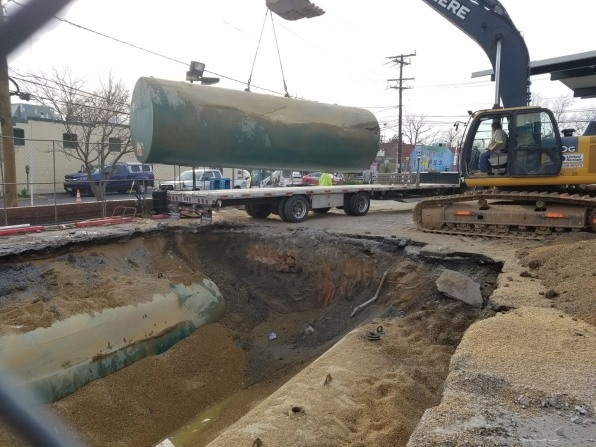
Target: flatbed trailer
x,y
292,204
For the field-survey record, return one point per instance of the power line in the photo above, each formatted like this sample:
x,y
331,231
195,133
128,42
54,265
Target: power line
x,y
23,78
38,97
471,84
84,28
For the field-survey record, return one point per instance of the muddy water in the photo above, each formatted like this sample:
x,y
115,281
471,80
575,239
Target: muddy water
x,y
270,283
196,427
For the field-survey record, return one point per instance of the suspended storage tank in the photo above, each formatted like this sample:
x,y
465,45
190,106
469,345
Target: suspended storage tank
x,y
195,125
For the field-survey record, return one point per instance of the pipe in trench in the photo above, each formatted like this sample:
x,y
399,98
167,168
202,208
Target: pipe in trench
x,y
373,299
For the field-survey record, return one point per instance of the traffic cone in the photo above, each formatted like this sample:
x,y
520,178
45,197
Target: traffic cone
x,y
78,200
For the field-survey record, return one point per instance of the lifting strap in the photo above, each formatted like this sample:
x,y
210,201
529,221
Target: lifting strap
x,y
247,89
287,95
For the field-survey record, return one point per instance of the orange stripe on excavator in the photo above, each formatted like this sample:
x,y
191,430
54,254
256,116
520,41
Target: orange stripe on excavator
x,y
463,213
555,215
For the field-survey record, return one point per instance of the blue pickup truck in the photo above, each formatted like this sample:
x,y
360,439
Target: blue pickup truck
x,y
121,177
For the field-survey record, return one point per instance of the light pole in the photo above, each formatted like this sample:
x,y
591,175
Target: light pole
x,y
418,158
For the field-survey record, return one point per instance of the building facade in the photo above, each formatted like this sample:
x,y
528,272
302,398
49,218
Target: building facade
x,y
45,150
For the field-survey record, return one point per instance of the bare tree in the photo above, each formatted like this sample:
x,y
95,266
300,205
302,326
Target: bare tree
x,y
537,99
583,118
565,115
417,131
452,136
561,107
95,123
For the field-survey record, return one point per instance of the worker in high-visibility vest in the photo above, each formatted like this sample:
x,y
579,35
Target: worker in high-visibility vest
x,y
325,179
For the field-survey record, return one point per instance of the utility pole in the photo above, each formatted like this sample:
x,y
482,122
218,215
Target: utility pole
x,y
399,60
8,156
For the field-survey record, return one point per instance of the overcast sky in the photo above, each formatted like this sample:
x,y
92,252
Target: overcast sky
x,y
338,58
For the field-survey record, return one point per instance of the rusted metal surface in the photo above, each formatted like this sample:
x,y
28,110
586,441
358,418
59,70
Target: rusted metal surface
x,y
194,125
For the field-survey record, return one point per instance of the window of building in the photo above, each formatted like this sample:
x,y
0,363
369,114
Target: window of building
x,y
115,145
69,140
19,136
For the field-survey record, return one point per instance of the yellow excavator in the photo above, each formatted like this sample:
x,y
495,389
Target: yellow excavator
x,y
538,182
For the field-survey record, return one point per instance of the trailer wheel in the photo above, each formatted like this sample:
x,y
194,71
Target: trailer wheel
x,y
260,211
359,204
281,209
322,210
296,208
347,207
249,210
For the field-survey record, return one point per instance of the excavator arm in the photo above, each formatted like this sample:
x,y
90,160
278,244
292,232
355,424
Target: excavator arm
x,y
485,21
488,24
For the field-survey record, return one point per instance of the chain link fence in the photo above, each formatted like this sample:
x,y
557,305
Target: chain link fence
x,y
41,167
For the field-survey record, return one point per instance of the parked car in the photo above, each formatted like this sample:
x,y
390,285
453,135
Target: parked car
x,y
314,177
184,181
120,177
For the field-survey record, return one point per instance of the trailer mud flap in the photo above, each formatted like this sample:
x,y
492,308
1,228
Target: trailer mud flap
x,y
195,212
206,217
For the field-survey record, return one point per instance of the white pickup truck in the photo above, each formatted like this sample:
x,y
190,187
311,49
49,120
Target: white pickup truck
x,y
203,180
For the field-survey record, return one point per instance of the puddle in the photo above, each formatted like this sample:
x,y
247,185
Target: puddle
x,y
194,428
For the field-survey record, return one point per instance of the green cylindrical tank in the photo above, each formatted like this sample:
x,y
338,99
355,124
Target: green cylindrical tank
x,y
195,125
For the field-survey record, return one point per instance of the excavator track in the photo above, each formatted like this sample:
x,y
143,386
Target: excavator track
x,y
508,214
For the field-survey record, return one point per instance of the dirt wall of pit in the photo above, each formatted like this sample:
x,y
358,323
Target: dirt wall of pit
x,y
521,377
539,378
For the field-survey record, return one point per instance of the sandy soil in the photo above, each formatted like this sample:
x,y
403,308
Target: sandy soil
x,y
376,392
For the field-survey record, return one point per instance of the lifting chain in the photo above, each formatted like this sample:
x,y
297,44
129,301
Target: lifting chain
x,y
247,89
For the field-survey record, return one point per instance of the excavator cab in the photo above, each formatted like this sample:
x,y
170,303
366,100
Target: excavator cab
x,y
531,144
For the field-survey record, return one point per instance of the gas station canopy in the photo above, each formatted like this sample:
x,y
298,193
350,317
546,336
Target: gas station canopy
x,y
576,71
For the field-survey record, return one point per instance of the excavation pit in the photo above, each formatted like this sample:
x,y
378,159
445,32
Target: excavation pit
x,y
288,300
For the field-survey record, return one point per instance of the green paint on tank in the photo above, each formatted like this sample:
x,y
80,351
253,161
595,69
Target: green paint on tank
x,y
195,125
